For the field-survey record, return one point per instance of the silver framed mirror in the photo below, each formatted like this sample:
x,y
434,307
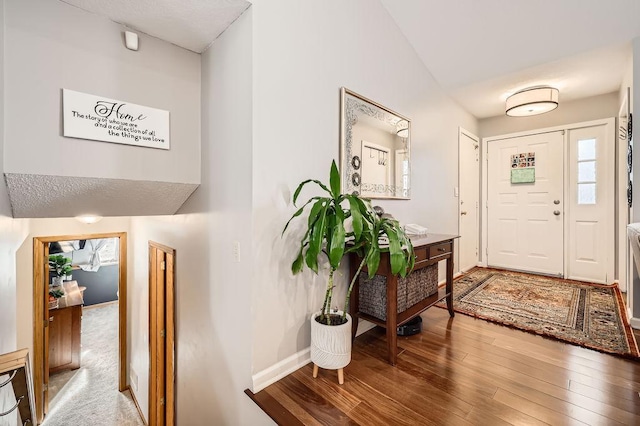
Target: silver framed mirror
x,y
375,149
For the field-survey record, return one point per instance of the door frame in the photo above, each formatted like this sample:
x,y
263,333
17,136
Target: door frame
x,y
485,176
40,250
169,354
461,132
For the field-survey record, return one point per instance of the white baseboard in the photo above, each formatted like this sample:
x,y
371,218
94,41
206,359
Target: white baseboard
x,y
296,361
281,369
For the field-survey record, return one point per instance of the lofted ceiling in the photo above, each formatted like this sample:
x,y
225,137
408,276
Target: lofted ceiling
x,y
192,24
482,51
478,51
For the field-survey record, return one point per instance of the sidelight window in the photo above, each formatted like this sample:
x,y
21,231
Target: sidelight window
x,y
587,171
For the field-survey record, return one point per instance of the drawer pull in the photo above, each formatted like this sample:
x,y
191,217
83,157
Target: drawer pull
x,y
442,249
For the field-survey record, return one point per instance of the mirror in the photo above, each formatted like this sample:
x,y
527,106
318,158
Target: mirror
x,y
374,149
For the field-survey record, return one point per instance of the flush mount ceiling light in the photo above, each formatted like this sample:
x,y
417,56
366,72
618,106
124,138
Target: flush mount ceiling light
x,y
89,219
532,101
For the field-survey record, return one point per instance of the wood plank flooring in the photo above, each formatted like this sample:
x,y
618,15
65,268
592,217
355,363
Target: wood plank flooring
x,y
462,371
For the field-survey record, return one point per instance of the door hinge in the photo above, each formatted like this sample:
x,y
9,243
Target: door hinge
x,y
46,323
161,401
163,265
163,333
45,387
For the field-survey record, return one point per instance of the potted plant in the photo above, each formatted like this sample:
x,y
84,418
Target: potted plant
x,y
60,266
54,295
339,224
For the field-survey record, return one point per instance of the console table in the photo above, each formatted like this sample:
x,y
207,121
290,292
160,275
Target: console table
x,y
64,338
429,250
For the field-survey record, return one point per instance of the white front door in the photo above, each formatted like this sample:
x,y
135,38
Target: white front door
x,y
469,186
591,204
525,220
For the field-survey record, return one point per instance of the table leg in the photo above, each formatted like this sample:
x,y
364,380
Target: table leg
x,y
392,318
449,285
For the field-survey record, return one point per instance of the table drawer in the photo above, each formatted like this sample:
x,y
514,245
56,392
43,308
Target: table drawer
x,y
440,250
421,254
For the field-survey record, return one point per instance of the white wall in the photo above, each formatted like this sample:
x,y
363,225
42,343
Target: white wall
x,y
622,176
635,217
587,109
303,53
12,234
51,45
213,291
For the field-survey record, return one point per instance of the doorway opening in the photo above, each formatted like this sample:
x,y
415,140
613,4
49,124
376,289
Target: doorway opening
x,y
57,303
468,200
161,334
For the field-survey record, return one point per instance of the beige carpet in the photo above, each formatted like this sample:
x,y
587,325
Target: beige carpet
x,y
89,395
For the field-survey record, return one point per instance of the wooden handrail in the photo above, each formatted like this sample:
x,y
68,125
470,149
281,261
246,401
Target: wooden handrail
x,y
17,365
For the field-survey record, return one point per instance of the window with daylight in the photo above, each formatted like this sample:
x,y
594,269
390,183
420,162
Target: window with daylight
x,y
587,171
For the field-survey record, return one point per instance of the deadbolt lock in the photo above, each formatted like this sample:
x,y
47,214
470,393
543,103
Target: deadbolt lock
x,y
556,202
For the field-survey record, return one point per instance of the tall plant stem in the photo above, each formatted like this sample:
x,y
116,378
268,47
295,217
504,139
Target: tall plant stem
x,y
353,281
326,305
329,296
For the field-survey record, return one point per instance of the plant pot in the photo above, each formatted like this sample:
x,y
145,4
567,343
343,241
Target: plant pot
x,y
330,344
57,281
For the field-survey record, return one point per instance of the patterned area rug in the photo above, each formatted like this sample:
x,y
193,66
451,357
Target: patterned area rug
x,y
588,315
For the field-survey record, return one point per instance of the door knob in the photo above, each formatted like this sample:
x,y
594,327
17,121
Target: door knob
x,y
463,213
556,212
556,202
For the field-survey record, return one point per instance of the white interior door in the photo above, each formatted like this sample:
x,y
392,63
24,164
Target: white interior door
x,y
525,220
591,197
469,187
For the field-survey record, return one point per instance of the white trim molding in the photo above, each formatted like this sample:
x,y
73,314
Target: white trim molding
x,y
277,371
288,365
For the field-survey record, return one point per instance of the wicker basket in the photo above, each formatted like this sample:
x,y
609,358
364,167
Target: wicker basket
x,y
415,287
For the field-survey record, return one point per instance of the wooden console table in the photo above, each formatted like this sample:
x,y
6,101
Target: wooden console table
x,y
429,250
64,338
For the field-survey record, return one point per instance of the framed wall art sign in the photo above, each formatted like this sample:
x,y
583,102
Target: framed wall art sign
x,y
102,119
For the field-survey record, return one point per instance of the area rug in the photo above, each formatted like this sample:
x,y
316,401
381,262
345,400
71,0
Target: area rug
x,y
588,315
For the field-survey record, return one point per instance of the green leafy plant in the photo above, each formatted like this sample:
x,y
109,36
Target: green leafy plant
x,y
59,265
339,224
56,294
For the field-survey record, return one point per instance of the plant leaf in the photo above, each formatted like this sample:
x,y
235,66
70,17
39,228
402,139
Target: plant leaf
x,y
299,188
334,180
373,260
315,209
298,213
298,263
356,217
396,254
336,250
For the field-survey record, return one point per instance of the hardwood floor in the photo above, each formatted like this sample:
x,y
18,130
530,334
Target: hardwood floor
x,y
462,371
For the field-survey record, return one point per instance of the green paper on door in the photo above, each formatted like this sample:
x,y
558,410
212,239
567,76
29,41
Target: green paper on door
x,y
523,175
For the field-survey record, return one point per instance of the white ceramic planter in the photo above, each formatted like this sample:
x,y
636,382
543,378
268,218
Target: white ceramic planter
x,y
330,344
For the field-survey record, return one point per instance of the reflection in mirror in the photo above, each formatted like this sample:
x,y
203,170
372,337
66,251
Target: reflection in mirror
x,y
374,149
